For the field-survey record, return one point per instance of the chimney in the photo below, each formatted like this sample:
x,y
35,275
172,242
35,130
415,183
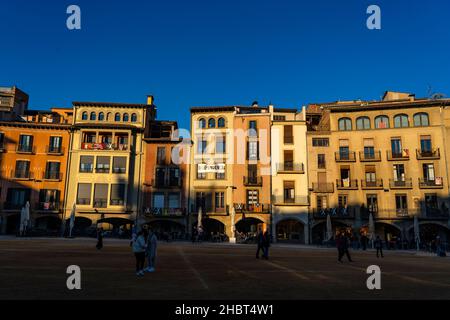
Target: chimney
x,y
150,100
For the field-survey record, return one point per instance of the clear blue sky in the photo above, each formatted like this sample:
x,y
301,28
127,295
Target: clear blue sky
x,y
206,52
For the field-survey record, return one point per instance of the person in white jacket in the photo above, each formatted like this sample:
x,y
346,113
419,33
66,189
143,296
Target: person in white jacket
x,y
139,247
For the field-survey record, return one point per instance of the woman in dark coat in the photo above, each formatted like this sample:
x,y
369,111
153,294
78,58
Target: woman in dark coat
x,y
99,239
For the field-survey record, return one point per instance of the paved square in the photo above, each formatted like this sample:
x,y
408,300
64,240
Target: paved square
x,y
36,269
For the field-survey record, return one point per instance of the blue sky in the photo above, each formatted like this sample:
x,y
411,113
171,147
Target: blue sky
x,y
207,52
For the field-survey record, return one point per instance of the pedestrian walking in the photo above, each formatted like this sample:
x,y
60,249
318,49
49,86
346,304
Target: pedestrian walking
x,y
99,238
150,251
342,245
379,246
364,242
139,247
266,245
260,243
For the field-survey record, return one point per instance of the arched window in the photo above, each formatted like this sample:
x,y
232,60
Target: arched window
x,y
133,117
84,116
93,116
363,123
345,124
117,117
421,120
221,123
381,122
108,116
101,116
125,117
401,121
211,123
202,123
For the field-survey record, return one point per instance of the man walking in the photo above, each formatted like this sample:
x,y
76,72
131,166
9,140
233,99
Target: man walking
x,y
151,251
266,245
260,243
379,246
342,245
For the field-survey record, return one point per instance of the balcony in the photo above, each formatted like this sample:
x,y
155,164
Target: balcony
x,y
398,155
253,181
119,170
295,201
400,184
51,175
402,213
346,184
435,213
323,187
165,212
334,213
288,139
22,175
13,206
166,183
289,167
369,156
102,170
436,183
428,154
25,148
372,185
47,206
100,203
252,208
345,156
84,201
52,150
117,202
104,146
383,214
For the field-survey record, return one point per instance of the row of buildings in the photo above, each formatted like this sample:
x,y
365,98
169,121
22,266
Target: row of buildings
x,y
242,167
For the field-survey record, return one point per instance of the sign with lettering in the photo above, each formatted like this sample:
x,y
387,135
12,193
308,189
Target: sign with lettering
x,y
215,168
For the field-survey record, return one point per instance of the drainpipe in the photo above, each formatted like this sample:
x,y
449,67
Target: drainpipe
x,y
66,184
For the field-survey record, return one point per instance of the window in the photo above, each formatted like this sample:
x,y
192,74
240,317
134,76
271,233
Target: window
x,y
201,146
428,172
22,169
252,173
86,163
219,200
103,164
252,150
133,117
161,155
344,153
421,120
84,116
371,177
100,195
425,145
16,198
321,164
220,144
431,202
401,204
342,201
202,123
174,200
108,116
174,177
160,175
211,123
399,172
52,170
363,123
117,117
221,175
221,123
396,148
288,160
320,142
101,116
48,199
381,122
289,191
125,117
158,200
345,176
252,197
55,145
25,143
200,175
117,194
119,164
93,116
253,130
345,124
372,203
288,134
369,150
84,193
401,121
279,118
322,202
